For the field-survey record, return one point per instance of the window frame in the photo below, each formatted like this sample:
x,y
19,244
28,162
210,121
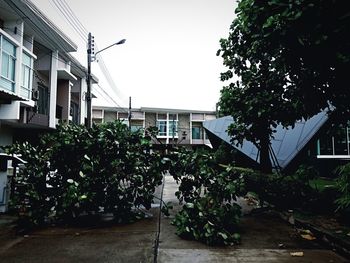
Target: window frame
x,y
30,75
11,57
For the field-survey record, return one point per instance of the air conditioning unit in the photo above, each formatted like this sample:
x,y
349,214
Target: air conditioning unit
x,y
35,95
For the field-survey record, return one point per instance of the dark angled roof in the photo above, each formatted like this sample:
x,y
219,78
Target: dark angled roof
x,y
287,143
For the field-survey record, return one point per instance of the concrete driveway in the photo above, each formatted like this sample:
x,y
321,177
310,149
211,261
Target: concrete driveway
x,y
265,238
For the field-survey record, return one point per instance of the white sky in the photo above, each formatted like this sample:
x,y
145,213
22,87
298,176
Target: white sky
x,y
169,59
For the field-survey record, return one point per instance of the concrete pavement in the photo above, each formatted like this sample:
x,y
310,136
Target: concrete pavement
x,y
265,238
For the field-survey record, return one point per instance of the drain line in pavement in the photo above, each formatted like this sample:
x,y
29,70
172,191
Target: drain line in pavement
x,y
156,241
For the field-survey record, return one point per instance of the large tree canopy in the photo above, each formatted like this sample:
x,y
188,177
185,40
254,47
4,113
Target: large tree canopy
x,y
292,59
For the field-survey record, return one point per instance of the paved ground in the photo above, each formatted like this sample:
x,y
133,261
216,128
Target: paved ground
x,y
265,238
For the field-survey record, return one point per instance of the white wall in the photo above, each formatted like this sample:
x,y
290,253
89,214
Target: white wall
x,y
53,89
64,97
10,111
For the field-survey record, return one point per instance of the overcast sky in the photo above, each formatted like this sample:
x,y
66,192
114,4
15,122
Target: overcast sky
x,y
169,59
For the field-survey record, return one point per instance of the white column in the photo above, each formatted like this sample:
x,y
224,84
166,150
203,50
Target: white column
x,y
167,128
53,89
190,133
82,106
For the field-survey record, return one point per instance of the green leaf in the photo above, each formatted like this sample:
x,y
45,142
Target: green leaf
x,y
190,205
224,236
70,181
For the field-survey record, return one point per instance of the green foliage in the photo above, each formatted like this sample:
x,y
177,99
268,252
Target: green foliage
x,y
209,221
75,171
284,192
343,186
285,55
209,191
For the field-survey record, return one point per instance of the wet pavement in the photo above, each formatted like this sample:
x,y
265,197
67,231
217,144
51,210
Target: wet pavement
x,y
265,238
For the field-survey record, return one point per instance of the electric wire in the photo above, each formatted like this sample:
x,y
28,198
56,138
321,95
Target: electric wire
x,y
116,103
80,30
82,27
39,31
54,41
69,20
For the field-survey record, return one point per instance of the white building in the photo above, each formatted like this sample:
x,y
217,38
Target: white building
x,y
40,82
175,126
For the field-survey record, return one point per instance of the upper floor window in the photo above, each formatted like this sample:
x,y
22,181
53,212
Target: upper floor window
x,y
197,131
27,79
167,124
172,128
162,128
7,65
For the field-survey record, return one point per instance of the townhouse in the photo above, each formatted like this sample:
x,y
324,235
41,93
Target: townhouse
x,y
175,126
41,84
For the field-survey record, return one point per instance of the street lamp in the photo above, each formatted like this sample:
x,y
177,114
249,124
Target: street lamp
x,y
91,58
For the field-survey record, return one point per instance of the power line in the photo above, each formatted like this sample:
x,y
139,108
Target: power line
x,y
75,23
68,18
36,28
85,31
109,96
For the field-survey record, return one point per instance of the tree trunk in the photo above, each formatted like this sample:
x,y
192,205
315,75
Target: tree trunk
x,y
265,161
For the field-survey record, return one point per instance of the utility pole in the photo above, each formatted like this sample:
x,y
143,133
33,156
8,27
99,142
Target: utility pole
x,y
129,115
91,55
88,92
173,130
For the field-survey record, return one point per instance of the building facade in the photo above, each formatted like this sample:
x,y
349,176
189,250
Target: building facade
x,y
175,126
41,84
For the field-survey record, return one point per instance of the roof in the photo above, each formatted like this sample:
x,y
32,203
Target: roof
x,y
148,109
286,144
44,29
158,110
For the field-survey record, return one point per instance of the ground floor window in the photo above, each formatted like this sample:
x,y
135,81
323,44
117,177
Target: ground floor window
x,y
335,141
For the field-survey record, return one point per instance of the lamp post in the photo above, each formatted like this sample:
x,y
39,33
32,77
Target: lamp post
x,y
91,57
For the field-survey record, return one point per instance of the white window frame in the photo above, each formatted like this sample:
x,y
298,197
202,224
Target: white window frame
x,y
14,59
30,79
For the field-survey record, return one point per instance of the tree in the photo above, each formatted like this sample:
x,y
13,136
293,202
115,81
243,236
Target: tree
x,y
291,58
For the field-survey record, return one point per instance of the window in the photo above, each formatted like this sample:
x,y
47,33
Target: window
x,y
167,124
135,128
172,128
162,128
173,125
43,101
26,83
335,141
196,133
74,112
7,65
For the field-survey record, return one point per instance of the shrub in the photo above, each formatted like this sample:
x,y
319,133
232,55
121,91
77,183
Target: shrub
x,y
343,186
75,171
209,191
